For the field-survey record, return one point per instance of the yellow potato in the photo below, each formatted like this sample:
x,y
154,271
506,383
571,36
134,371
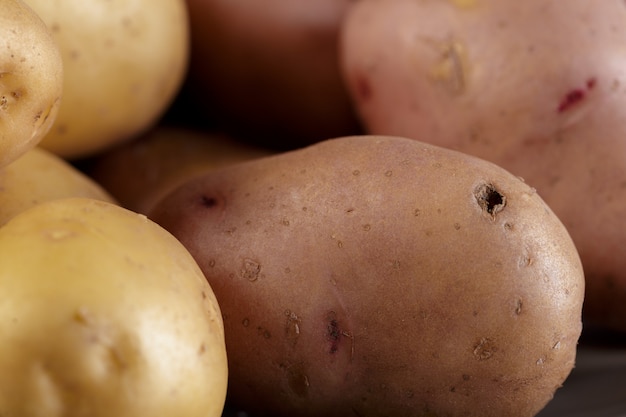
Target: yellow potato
x,y
31,79
39,176
141,172
380,276
124,62
104,314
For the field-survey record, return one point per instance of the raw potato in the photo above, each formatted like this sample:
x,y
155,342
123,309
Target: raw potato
x,y
39,176
536,87
104,315
269,70
379,276
124,60
31,80
141,172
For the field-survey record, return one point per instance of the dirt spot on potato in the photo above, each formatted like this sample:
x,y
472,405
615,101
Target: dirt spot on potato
x,y
489,199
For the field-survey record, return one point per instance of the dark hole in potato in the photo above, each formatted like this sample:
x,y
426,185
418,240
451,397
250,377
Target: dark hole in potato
x,y
490,199
207,201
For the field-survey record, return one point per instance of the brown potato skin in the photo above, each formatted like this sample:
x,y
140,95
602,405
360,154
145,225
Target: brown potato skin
x,y
140,172
363,276
269,71
533,86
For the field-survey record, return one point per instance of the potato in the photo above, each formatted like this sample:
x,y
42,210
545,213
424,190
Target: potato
x,y
533,86
379,276
140,172
39,176
268,71
104,315
31,80
124,60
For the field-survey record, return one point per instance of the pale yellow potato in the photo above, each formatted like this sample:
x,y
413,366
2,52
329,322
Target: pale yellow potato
x,y
39,176
31,79
105,315
139,173
124,62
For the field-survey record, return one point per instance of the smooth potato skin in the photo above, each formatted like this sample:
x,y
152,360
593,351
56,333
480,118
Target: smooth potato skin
x,y
124,61
104,314
39,176
360,276
139,173
31,80
533,86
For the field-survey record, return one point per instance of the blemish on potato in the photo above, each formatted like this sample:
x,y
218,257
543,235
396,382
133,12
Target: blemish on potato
x,y
245,322
457,226
576,95
250,270
489,199
356,172
518,306
208,201
367,227
296,378
263,332
388,173
451,69
363,88
292,327
417,212
333,332
484,349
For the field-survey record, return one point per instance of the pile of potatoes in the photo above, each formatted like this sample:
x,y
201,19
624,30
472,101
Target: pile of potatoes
x,y
296,208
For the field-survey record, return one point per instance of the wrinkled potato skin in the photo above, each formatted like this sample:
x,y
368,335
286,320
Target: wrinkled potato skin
x,y
124,60
536,87
268,71
107,315
139,173
39,176
31,80
360,276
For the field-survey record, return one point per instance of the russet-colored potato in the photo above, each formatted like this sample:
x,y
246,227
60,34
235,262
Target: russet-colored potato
x,y
377,276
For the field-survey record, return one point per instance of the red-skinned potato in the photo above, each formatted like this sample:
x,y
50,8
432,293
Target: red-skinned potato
x,y
537,87
379,276
269,71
